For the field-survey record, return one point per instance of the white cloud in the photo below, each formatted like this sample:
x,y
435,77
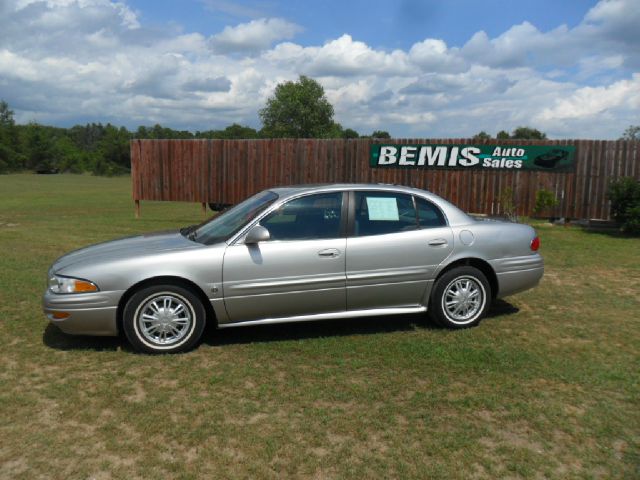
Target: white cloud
x,y
615,19
254,36
340,57
217,84
63,61
594,101
522,45
58,11
434,56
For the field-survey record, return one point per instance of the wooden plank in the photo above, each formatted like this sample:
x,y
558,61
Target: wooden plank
x,y
625,159
634,170
568,206
583,148
585,192
610,174
134,152
603,174
590,172
172,168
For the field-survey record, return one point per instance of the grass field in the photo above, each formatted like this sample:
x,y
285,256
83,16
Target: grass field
x,y
547,387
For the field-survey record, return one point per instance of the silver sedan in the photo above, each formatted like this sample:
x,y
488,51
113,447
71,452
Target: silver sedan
x,y
295,254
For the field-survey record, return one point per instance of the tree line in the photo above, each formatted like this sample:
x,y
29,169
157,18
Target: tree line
x,y
297,109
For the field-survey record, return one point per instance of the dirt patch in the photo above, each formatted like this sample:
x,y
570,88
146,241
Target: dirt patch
x,y
139,394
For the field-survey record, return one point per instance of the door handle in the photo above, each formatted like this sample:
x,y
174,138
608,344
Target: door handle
x,y
437,242
329,253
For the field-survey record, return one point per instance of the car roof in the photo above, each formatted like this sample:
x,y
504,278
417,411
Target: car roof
x,y
291,190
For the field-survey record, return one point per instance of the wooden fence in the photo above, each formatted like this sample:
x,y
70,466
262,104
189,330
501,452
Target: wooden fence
x,y
227,171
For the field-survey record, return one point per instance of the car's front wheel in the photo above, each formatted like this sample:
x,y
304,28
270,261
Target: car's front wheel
x,y
163,319
460,298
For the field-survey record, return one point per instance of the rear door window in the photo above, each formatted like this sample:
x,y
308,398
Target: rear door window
x,y
379,213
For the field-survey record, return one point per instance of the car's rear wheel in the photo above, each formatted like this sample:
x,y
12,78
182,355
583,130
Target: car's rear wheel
x,y
460,298
163,319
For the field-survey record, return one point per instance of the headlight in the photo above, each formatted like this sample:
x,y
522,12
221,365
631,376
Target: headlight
x,y
59,284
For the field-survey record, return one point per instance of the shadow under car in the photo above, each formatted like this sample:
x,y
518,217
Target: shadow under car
x,y
55,338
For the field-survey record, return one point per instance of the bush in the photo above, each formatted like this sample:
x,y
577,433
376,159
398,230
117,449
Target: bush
x,y
5,158
545,200
632,225
508,204
624,194
106,168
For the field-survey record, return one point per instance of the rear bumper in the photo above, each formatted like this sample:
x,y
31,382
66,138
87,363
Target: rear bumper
x,y
517,274
88,313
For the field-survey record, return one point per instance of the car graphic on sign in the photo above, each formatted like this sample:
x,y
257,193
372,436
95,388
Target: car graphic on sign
x,y
550,159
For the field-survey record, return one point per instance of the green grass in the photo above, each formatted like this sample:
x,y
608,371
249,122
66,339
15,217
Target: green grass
x,y
547,387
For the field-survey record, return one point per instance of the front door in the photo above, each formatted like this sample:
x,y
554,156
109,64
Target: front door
x,y
395,245
299,271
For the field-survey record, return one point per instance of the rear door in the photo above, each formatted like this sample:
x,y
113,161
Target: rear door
x,y
394,246
300,271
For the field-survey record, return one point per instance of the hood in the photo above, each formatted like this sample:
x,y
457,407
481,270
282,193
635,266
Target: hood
x,y
124,248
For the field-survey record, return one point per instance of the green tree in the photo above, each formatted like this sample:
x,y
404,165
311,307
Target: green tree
x,y
114,150
40,154
8,139
503,135
160,132
380,134
6,115
350,133
233,131
67,156
87,137
631,133
508,204
545,201
6,155
482,136
142,132
528,133
336,131
238,131
297,110
624,194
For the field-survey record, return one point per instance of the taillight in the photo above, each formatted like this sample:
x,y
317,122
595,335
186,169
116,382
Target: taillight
x,y
535,244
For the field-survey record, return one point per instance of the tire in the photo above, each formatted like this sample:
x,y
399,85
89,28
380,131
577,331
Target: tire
x,y
462,312
163,319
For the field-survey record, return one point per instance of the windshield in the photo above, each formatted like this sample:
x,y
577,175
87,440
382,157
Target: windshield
x,y
224,225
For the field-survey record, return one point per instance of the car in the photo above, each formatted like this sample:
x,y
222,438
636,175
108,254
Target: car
x,y
295,254
550,159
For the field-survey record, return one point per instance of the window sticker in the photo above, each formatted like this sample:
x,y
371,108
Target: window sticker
x,y
383,208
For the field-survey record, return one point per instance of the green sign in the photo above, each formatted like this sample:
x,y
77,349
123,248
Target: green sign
x,y
547,158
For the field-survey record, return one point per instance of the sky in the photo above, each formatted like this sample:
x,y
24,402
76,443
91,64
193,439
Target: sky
x,y
430,68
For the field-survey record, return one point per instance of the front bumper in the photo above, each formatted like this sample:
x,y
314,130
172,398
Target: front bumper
x,y
89,313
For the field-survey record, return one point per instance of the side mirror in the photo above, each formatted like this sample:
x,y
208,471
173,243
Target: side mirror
x,y
257,234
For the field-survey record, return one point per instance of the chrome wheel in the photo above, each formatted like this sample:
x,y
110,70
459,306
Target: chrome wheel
x,y
463,300
165,319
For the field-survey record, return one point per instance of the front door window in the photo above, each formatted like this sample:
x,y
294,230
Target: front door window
x,y
313,217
